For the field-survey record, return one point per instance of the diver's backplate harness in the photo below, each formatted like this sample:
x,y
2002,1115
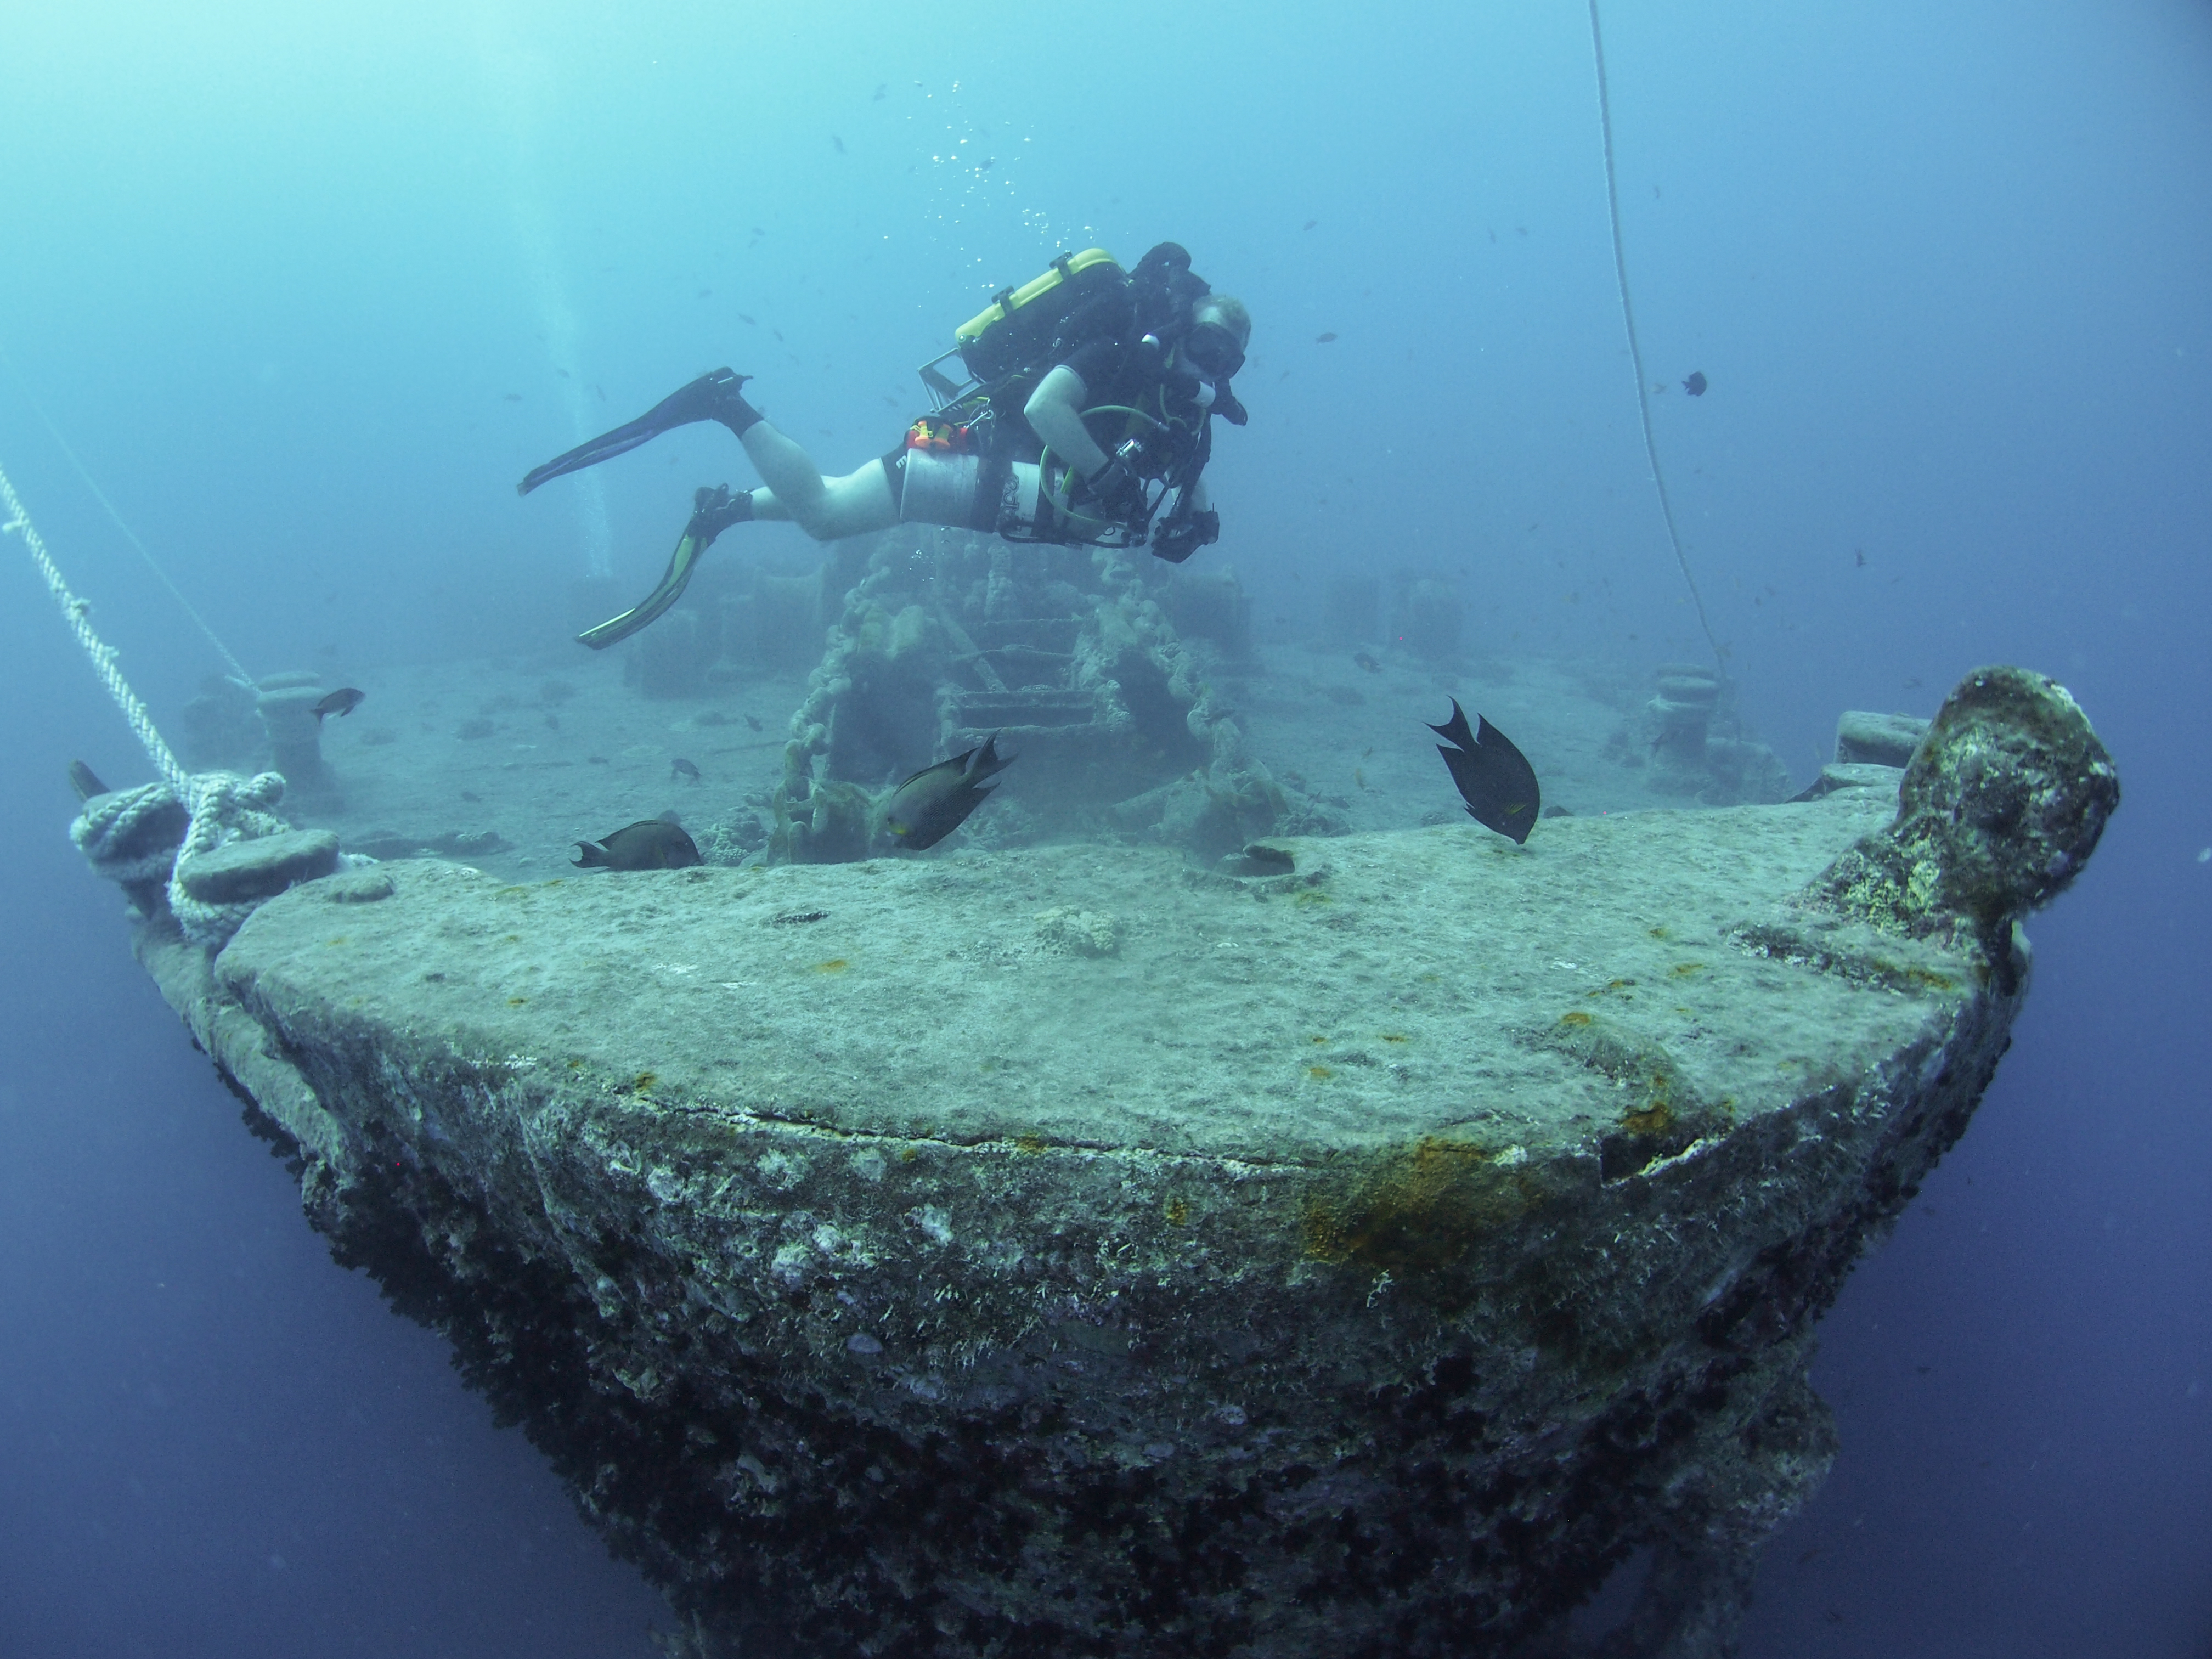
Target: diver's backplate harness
x,y
975,461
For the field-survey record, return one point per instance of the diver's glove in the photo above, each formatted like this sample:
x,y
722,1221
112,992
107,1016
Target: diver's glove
x,y
1117,489
1184,534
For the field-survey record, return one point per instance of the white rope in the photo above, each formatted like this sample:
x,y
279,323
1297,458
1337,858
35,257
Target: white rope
x,y
124,833
153,565
76,613
226,807
1635,351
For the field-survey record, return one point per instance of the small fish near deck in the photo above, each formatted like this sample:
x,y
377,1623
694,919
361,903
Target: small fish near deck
x,y
648,844
341,703
1494,778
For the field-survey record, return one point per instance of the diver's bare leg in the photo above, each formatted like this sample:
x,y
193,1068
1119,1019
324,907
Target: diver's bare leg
x,y
827,509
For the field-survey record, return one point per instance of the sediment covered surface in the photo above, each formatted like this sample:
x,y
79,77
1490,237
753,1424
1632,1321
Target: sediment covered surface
x,y
1060,1251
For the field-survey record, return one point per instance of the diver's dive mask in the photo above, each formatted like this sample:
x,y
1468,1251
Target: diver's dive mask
x,y
1213,350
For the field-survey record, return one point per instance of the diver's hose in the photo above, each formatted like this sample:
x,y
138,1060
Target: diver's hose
x,y
1635,351
1123,409
1062,502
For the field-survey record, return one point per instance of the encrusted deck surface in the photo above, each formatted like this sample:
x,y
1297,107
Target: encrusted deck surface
x,y
1433,982
1060,1251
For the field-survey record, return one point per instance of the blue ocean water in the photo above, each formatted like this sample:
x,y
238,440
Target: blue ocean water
x,y
275,273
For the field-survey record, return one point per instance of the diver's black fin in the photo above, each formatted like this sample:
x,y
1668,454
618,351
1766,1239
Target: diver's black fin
x,y
713,511
715,397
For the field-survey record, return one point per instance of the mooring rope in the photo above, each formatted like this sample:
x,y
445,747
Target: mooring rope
x,y
76,613
131,835
238,672
1635,350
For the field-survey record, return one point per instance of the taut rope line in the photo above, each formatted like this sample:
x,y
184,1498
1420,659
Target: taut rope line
x,y
1635,350
76,613
160,575
131,835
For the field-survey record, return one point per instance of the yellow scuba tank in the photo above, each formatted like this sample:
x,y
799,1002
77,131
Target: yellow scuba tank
x,y
1020,323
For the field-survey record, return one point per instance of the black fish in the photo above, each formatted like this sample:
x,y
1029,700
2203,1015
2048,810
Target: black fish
x,y
839,142
1695,385
753,722
680,767
1258,859
85,780
343,701
648,844
935,801
1494,778
1323,339
1367,662
882,87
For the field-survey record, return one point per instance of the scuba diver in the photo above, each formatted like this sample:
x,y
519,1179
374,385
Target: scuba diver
x,y
1086,418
